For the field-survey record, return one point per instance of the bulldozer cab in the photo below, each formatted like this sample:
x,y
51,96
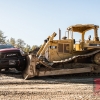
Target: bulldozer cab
x,y
82,29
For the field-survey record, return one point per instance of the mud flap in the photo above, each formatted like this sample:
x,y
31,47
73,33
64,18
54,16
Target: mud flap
x,y
30,70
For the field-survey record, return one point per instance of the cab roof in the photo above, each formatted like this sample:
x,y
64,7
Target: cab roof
x,y
82,27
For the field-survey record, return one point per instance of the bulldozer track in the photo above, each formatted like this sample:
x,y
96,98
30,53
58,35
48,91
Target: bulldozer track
x,y
67,64
78,56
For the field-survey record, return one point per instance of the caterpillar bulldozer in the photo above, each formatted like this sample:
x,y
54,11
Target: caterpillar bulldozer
x,y
66,55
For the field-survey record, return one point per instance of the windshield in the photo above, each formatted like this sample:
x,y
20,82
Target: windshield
x,y
5,46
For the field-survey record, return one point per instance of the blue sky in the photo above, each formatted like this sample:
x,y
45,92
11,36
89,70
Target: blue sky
x,y
34,20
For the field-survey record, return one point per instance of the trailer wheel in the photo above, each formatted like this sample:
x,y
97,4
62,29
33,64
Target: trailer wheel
x,y
97,58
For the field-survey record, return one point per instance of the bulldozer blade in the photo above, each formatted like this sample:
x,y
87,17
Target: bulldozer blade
x,y
76,69
30,70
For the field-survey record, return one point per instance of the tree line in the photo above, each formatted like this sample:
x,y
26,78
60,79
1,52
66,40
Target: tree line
x,y
19,43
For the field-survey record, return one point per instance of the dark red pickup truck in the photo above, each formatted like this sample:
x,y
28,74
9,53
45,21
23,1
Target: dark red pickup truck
x,y
11,57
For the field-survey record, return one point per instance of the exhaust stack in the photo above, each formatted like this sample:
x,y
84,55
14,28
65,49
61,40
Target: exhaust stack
x,y
59,34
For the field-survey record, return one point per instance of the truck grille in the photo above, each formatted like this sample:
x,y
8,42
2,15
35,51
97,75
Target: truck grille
x,y
8,55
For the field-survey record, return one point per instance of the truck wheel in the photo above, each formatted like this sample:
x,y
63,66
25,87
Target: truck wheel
x,y
97,58
6,69
20,68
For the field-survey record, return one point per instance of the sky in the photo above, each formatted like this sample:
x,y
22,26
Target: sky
x,y
34,20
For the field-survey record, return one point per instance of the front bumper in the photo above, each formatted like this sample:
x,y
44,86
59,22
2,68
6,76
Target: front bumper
x,y
12,62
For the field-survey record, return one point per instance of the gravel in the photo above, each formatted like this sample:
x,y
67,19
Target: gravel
x,y
14,87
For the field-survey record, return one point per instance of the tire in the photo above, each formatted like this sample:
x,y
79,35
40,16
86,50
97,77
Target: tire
x,y
20,68
6,69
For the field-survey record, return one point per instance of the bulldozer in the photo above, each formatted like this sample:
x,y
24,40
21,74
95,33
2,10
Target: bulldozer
x,y
66,55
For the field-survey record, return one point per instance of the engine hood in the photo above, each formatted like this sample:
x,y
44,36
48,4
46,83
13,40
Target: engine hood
x,y
9,50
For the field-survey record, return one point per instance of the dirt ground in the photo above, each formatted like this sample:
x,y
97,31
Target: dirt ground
x,y
14,87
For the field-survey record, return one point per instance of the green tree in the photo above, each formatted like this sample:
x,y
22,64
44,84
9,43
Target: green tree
x,y
20,44
2,37
40,46
34,47
12,41
27,48
7,41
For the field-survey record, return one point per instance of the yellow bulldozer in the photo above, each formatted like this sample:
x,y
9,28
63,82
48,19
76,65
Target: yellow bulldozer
x,y
66,56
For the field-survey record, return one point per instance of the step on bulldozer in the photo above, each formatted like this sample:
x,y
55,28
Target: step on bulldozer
x,y
66,55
